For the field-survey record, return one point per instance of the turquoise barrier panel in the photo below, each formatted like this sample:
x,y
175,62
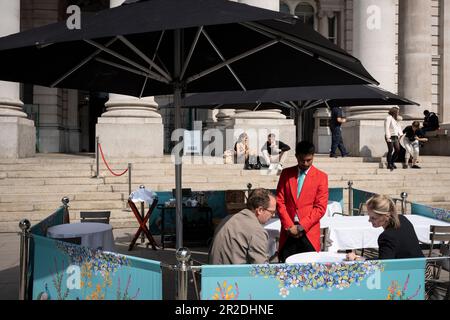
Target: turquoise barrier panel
x,y
336,194
368,280
430,212
60,216
360,196
64,271
215,200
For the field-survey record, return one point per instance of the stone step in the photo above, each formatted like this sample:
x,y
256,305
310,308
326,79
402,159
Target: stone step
x,y
51,174
67,166
64,189
46,197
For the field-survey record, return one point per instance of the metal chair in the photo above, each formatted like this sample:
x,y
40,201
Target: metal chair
x,y
235,201
441,235
325,240
76,240
95,216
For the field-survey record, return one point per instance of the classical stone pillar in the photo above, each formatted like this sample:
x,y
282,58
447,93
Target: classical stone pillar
x,y
323,22
130,127
73,123
17,133
374,43
415,55
374,39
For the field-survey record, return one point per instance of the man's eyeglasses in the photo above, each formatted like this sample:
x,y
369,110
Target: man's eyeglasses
x,y
272,212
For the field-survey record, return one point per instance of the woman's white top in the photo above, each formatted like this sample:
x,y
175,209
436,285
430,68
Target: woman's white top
x,y
392,127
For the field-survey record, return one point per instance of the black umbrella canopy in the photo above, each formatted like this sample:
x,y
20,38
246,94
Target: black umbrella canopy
x,y
158,47
224,46
351,95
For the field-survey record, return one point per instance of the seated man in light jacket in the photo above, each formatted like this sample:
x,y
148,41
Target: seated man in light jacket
x,y
241,238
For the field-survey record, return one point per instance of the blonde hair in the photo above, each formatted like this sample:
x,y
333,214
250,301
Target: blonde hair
x,y
384,205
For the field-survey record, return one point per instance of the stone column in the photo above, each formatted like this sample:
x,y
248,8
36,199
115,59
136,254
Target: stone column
x,y
17,133
130,127
444,106
323,23
73,124
415,55
374,43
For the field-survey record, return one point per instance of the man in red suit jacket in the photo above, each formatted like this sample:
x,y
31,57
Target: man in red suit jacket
x,y
302,198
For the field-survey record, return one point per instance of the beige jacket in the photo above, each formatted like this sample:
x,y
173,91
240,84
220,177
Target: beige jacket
x,y
240,239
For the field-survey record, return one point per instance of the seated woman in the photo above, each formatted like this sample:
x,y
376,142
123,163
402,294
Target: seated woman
x,y
399,239
243,154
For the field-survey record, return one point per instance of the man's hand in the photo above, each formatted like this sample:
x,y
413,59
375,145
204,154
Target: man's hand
x,y
295,232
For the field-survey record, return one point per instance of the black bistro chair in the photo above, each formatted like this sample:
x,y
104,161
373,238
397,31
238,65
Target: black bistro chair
x,y
95,216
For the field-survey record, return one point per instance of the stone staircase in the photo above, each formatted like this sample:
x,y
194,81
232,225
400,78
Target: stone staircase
x,y
33,188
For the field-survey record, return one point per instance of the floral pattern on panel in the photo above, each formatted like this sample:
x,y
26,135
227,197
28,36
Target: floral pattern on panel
x,y
315,276
397,293
226,291
441,214
100,262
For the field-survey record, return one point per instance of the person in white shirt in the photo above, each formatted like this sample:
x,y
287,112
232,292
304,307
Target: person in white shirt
x,y
393,132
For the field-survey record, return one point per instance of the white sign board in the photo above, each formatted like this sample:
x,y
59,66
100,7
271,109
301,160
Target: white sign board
x,y
192,142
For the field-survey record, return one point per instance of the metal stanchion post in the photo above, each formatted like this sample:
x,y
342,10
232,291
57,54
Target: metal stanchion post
x,y
129,179
183,256
404,197
142,215
249,188
65,202
350,198
24,226
97,157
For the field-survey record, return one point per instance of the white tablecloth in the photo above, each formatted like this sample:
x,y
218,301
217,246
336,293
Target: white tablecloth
x,y
356,232
93,235
319,257
348,233
274,225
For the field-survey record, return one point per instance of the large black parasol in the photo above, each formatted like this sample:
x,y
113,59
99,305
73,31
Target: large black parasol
x,y
158,47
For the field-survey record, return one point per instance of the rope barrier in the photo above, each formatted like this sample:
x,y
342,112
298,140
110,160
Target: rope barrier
x,y
107,166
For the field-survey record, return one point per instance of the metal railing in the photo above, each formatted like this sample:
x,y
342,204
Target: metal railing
x,y
97,164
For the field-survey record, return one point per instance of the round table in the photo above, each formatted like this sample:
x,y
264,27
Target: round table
x,y
316,257
93,235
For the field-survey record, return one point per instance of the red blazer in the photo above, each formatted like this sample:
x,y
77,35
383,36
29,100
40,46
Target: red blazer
x,y
310,206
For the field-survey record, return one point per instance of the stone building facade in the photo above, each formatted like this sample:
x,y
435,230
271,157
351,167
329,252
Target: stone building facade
x,y
404,44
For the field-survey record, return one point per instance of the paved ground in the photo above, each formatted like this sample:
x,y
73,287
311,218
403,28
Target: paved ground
x,y
9,263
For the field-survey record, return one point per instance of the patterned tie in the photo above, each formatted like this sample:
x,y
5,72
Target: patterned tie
x,y
300,181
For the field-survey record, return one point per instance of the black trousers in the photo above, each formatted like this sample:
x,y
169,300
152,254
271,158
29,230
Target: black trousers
x,y
294,246
393,150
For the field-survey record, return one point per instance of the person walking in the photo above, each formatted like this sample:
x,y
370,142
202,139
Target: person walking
x,y
337,119
393,132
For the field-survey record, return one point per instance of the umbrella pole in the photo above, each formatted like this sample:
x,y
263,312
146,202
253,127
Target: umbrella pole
x,y
178,157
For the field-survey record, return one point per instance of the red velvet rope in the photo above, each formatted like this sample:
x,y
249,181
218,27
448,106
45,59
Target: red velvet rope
x,y
103,157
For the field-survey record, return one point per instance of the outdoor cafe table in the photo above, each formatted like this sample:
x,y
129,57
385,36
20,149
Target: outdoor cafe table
x,y
274,225
316,257
356,232
93,235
